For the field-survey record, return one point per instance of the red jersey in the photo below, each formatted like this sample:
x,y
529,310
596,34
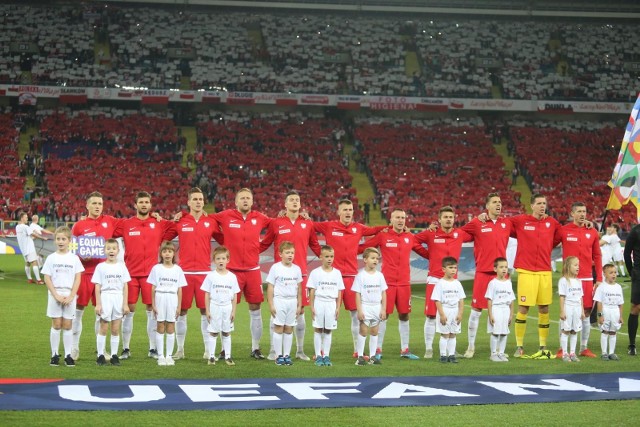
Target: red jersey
x,y
102,226
396,252
300,232
344,240
584,243
536,239
489,241
194,237
440,245
242,237
142,239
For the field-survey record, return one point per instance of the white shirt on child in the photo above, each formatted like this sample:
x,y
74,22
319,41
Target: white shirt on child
x,y
112,278
370,286
327,284
62,268
448,292
167,280
500,292
222,288
571,290
285,280
610,295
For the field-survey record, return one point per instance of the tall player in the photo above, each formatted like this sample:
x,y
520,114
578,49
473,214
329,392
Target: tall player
x,y
195,231
241,228
98,225
632,262
343,236
300,231
142,236
445,242
490,240
396,246
584,243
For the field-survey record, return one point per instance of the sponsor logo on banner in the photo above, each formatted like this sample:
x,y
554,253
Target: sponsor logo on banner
x,y
241,98
27,98
555,107
600,107
314,99
88,247
349,102
213,97
100,93
433,104
73,91
391,103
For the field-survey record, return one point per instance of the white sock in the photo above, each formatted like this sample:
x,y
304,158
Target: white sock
x,y
115,343
287,342
451,346
100,343
603,343
255,317
27,269
171,339
76,327
317,343
382,329
444,343
360,345
373,345
355,329
502,344
226,346
622,273
493,343
472,330
204,325
36,272
301,325
326,345
152,325
612,343
54,339
212,342
127,329
429,332
160,344
181,331
403,328
67,341
271,325
277,343
573,340
564,339
586,332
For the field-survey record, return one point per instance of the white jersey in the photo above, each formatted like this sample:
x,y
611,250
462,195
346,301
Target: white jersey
x,y
25,242
500,292
222,288
448,292
610,295
327,284
35,228
112,278
285,280
571,290
167,280
62,268
370,286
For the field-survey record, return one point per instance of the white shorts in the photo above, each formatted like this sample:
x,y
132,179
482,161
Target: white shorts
x,y
56,310
607,255
501,320
325,317
618,256
31,257
285,311
371,314
220,318
572,321
111,306
167,305
611,319
451,327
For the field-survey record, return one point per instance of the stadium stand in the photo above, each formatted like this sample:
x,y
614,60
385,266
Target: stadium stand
x,y
12,180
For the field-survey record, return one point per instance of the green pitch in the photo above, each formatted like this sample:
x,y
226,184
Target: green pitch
x,y
25,353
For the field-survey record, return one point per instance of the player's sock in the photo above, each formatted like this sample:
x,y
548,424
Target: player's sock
x,y
171,339
472,330
317,343
204,325
159,345
100,343
382,329
326,345
76,327
622,273
256,329
403,328
564,339
277,343
493,343
502,344
603,342
67,341
632,328
360,345
36,272
301,325
521,328
373,345
573,340
444,342
543,328
151,329
115,343
181,331
355,329
429,332
27,270
54,339
212,342
127,329
451,346
586,332
612,343
271,325
287,342
226,346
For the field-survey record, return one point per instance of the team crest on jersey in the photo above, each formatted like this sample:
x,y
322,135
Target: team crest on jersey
x,y
547,224
206,224
455,235
303,226
253,221
406,240
523,299
588,235
354,229
152,225
105,225
503,225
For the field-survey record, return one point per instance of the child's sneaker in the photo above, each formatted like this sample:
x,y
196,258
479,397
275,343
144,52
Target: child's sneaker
x,y
55,360
153,353
360,361
115,361
453,359
495,357
126,353
287,360
444,359
605,357
162,361
374,361
327,361
280,361
101,361
614,356
212,361
319,361
503,357
574,358
229,361
566,358
169,361
68,361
